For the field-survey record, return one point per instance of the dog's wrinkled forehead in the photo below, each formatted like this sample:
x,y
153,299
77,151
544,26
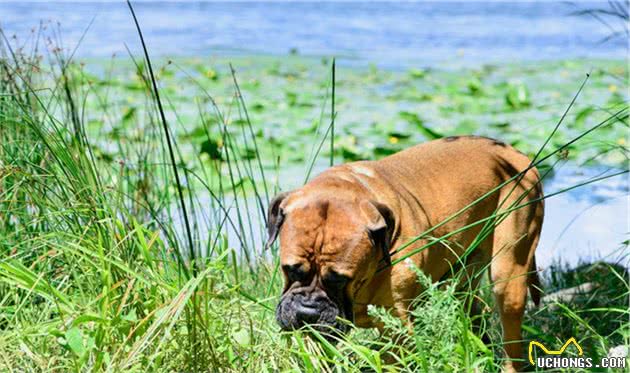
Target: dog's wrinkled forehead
x,y
316,226
305,210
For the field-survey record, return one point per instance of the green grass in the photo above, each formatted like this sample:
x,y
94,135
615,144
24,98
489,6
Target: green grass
x,y
98,272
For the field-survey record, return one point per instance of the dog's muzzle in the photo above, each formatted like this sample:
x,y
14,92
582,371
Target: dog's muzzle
x,y
313,307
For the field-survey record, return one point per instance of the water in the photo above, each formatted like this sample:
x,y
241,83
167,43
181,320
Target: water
x,y
588,223
395,35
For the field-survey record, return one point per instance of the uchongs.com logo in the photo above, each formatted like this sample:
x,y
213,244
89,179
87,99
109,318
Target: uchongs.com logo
x,y
557,359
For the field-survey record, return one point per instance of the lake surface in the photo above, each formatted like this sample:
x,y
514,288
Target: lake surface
x,y
587,223
395,35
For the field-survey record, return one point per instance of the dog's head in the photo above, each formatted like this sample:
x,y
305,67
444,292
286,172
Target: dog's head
x,y
329,248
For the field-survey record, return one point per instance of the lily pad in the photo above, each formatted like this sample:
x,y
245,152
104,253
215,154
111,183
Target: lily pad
x,y
517,96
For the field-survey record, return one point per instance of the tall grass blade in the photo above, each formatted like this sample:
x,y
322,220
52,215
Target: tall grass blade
x,y
169,142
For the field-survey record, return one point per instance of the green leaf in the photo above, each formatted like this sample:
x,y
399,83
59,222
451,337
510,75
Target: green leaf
x,y
417,73
383,151
242,337
292,98
131,316
74,339
129,114
481,347
258,107
211,74
88,318
475,87
581,116
517,96
413,118
212,148
399,135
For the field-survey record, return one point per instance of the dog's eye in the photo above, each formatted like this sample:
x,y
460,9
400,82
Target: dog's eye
x,y
295,272
334,280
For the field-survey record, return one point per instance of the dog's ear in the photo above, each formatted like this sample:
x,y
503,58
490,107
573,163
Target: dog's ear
x,y
275,216
381,225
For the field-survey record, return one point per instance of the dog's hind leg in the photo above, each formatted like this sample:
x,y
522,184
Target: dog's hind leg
x,y
515,241
510,291
509,275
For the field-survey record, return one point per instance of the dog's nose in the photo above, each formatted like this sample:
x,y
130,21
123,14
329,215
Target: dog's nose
x,y
309,308
307,313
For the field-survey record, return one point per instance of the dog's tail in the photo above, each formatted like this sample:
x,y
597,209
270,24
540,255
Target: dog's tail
x,y
533,281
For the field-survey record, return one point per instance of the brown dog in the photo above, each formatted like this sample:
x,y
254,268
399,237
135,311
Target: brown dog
x,y
339,229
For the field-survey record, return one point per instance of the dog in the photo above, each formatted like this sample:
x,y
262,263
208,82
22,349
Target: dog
x,y
339,232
